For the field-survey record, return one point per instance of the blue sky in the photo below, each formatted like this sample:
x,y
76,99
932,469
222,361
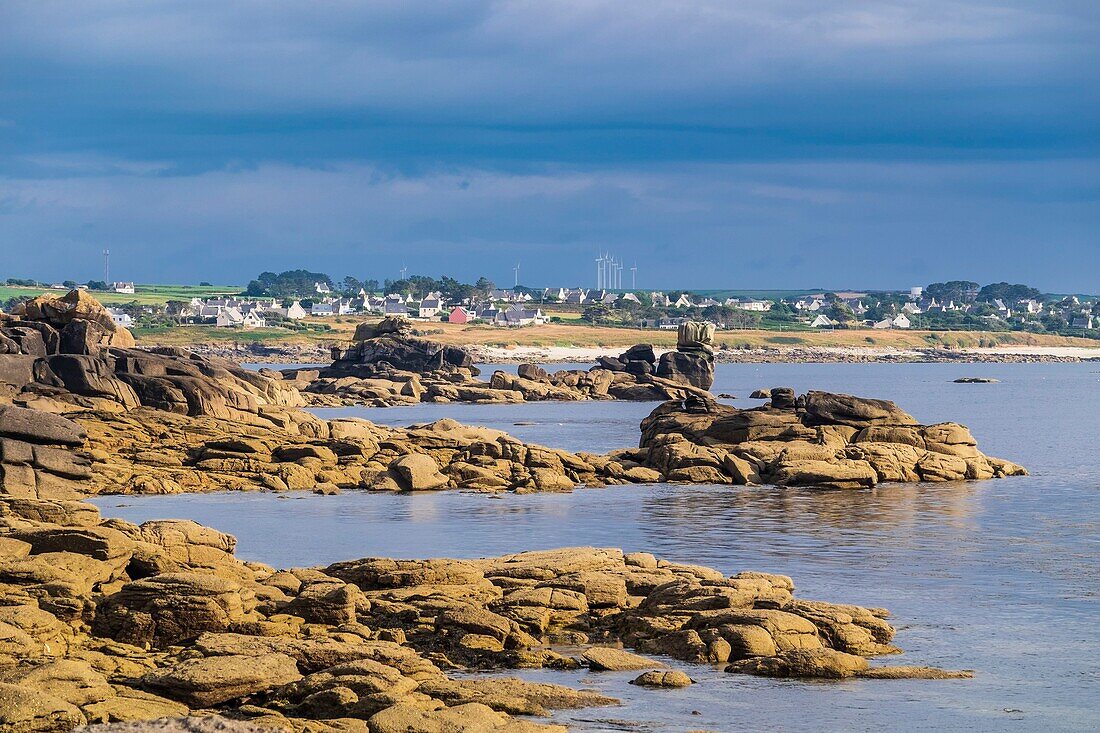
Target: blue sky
x,y
733,143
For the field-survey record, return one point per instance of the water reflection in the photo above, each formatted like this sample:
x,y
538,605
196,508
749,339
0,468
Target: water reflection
x,y
999,576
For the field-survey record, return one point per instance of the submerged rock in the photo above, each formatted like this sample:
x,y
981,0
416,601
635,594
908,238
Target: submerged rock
x,y
607,659
670,678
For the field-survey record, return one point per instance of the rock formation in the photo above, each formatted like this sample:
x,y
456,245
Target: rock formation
x,y
693,359
388,365
36,456
66,354
146,451
106,621
166,421
817,439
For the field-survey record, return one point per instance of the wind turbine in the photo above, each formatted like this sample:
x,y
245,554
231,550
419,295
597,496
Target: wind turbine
x,y
634,276
404,269
516,271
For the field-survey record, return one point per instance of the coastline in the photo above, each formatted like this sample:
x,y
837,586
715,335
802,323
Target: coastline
x,y
319,353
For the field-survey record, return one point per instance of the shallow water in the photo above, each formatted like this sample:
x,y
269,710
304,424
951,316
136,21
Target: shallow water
x,y
1001,576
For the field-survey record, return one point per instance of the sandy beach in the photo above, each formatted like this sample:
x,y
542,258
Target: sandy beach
x,y
1071,352
588,355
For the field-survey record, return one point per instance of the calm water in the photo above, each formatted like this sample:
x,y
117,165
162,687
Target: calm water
x,y
1001,577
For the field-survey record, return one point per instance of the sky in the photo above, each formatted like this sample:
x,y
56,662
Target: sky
x,y
750,144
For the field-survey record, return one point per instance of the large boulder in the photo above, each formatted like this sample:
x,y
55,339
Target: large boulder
x,y
76,305
695,336
639,352
693,361
215,680
609,659
417,472
828,408
686,368
804,663
387,326
389,346
172,607
434,717
39,427
28,710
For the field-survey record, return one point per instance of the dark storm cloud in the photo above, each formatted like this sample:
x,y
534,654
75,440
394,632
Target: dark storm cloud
x,y
774,143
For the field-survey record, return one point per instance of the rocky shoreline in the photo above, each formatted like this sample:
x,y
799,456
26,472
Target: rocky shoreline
x,y
276,355
167,421
104,621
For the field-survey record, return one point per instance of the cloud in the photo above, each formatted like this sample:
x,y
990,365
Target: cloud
x,y
710,62
798,141
795,224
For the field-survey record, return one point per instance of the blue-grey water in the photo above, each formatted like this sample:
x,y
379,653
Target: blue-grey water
x,y
1002,577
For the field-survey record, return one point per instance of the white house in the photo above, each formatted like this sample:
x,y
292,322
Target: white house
x,y
430,307
902,321
322,288
127,288
292,312
229,317
119,318
682,302
254,319
752,304
517,315
822,321
323,309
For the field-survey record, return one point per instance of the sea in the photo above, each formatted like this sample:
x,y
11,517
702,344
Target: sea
x,y
1001,577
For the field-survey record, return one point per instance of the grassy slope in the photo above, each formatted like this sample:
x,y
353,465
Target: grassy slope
x,y
145,295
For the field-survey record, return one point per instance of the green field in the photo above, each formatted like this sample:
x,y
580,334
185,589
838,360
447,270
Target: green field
x,y
145,295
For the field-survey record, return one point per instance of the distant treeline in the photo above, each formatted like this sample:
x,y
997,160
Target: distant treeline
x,y
303,284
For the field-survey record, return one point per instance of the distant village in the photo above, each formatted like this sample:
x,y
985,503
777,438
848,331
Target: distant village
x,y
956,305
508,308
